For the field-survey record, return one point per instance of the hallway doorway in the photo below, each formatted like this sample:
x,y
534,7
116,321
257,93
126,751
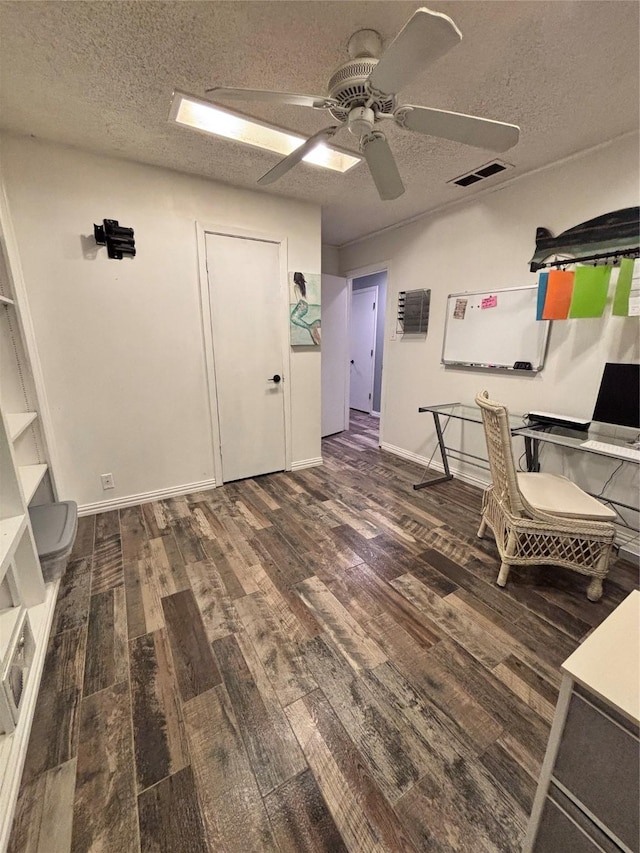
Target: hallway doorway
x,y
366,333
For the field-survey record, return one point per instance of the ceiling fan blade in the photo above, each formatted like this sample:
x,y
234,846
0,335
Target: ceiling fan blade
x,y
318,102
382,166
296,156
424,38
470,130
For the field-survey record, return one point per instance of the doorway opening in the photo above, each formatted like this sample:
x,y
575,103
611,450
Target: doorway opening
x,y
366,336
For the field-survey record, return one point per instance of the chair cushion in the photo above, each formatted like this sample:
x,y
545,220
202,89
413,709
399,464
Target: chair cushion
x,y
556,495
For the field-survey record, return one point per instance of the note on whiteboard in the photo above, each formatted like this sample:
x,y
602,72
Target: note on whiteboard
x,y
489,302
460,309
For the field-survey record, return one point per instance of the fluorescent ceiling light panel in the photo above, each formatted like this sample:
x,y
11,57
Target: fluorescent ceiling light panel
x,y
193,112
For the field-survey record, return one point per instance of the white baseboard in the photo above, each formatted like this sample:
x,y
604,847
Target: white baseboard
x,y
423,461
306,463
404,454
145,497
375,414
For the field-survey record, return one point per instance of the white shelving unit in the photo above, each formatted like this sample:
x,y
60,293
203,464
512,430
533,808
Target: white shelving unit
x,y
26,477
13,747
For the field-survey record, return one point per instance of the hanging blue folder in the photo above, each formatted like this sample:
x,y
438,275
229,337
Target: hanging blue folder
x,y
542,294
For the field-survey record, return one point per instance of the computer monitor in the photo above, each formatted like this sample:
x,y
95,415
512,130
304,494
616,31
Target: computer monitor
x,y
618,398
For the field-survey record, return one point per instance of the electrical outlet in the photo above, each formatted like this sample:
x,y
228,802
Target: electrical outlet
x,y
107,481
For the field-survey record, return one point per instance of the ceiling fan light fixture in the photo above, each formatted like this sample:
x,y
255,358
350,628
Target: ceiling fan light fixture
x,y
198,114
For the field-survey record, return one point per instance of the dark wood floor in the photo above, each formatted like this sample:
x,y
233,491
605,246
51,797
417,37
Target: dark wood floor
x,y
314,661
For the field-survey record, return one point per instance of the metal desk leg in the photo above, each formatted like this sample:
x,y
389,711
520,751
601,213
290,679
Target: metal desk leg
x,y
532,450
443,453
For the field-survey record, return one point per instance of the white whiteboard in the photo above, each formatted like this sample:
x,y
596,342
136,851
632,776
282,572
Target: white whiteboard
x,y
494,328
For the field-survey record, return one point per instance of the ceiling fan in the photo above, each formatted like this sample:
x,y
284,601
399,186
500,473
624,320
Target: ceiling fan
x,y
362,95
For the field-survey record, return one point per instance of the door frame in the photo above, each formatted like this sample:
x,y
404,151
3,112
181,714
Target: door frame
x,y
202,229
375,288
359,272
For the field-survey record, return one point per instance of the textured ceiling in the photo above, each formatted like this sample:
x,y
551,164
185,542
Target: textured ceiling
x,y
99,75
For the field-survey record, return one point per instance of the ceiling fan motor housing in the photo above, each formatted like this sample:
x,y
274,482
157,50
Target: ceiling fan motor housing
x,y
361,121
348,86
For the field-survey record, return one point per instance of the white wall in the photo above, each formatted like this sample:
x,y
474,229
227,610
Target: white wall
x,y
486,244
121,342
330,260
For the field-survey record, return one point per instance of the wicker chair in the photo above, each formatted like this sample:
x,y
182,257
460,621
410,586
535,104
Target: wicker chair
x,y
541,519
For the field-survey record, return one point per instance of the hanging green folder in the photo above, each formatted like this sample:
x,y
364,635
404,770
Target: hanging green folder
x,y
590,287
623,289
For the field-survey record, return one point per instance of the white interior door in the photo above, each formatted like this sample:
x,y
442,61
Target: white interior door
x,y
363,342
335,354
246,305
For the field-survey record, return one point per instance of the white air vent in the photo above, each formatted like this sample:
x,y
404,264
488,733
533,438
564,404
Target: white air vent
x,y
481,174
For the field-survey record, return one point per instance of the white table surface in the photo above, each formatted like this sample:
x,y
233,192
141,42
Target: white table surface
x,y
608,662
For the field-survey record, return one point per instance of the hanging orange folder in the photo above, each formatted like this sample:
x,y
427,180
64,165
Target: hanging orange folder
x,y
558,298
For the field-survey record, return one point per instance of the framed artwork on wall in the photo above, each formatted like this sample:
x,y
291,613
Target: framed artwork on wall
x,y
304,309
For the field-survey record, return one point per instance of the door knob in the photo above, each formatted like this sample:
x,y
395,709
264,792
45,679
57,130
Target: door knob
x,y
275,378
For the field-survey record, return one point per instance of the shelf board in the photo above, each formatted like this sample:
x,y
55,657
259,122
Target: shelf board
x,y
31,477
6,301
10,532
18,423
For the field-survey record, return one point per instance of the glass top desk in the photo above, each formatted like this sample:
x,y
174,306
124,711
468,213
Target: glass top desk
x,y
572,439
463,412
533,434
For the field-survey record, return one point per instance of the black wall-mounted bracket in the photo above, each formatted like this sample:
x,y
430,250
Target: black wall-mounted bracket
x,y
118,239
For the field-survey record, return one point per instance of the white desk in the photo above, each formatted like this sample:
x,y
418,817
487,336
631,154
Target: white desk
x,y
588,793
